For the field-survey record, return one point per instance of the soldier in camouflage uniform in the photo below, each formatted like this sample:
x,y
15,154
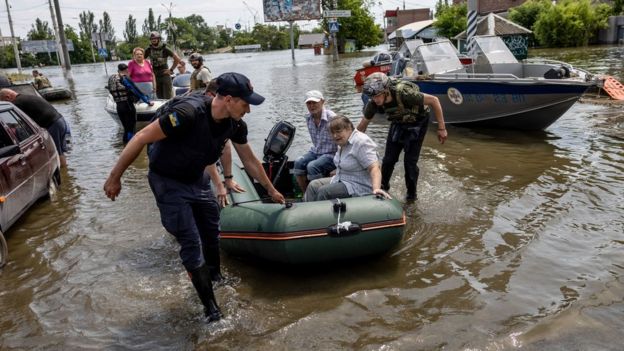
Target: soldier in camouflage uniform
x,y
158,53
408,111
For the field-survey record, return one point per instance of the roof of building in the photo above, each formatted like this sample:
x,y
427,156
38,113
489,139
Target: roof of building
x,y
311,39
411,29
502,26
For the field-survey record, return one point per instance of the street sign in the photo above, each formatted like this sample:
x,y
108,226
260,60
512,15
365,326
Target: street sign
x,y
237,26
333,27
337,13
36,46
102,52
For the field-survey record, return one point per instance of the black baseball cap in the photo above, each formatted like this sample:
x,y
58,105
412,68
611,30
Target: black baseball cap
x,y
237,85
122,67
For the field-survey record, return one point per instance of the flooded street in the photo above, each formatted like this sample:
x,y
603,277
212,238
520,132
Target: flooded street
x,y
515,242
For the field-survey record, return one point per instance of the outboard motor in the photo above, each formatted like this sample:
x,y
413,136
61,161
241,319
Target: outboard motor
x,y
275,147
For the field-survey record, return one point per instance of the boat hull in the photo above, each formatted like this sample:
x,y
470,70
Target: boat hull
x,y
298,233
525,104
144,111
55,93
362,73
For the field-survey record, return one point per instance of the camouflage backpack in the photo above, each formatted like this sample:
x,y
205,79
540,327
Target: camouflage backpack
x,y
407,92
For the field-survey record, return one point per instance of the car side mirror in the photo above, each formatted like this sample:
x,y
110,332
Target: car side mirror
x,y
10,150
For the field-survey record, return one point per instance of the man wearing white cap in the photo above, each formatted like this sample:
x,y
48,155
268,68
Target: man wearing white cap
x,y
319,161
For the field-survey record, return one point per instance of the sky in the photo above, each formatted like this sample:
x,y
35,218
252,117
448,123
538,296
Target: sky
x,y
214,12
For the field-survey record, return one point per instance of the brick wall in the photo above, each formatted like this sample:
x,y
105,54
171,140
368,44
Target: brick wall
x,y
407,16
496,6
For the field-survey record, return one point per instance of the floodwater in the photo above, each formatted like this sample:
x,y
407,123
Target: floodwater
x,y
515,242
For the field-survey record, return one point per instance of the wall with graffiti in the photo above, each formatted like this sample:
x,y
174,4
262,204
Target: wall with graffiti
x,y
518,44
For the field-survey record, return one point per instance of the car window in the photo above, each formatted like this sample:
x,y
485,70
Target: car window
x,y
5,139
16,125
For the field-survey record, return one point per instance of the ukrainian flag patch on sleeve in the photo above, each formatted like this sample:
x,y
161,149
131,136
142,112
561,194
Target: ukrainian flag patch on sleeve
x,y
173,119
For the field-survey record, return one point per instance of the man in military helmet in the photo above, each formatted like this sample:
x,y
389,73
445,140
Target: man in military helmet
x,y
408,110
158,53
201,75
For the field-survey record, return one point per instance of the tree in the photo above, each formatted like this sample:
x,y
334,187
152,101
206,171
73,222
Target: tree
x,y
570,23
618,6
130,33
82,48
151,25
360,26
40,31
527,14
86,25
270,37
450,19
106,26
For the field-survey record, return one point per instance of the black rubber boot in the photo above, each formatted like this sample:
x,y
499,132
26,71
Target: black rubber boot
x,y
202,283
213,261
386,174
411,191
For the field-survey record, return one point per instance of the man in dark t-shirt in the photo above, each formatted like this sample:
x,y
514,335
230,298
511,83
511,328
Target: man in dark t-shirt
x,y
44,114
186,141
158,53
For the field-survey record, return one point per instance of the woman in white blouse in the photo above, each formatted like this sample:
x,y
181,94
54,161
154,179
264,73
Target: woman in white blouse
x,y
358,171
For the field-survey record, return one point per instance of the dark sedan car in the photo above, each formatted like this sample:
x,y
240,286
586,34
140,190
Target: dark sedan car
x,y
29,167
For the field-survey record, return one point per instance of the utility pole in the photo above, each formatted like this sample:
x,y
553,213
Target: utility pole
x,y
334,39
59,57
17,58
62,35
171,26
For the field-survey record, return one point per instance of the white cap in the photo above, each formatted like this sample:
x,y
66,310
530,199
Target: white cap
x,y
314,95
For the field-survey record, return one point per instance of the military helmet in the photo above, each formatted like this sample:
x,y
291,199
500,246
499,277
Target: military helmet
x,y
196,57
154,35
375,84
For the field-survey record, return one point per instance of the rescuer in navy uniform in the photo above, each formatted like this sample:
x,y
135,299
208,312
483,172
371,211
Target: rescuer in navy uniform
x,y
187,140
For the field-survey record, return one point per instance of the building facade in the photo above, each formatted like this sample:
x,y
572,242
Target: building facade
x,y
496,6
394,19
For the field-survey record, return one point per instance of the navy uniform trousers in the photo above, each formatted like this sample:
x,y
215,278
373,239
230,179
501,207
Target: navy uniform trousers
x,y
407,137
189,212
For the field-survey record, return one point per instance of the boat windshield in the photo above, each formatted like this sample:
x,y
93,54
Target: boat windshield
x,y
494,50
438,57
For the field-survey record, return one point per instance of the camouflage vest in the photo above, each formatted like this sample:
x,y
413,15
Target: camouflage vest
x,y
197,83
403,90
158,58
117,89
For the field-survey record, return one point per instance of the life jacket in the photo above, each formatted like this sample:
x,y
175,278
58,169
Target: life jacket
x,y
157,56
184,158
403,90
42,82
117,89
197,83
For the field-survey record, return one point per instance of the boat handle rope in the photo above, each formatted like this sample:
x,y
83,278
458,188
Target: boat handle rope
x,y
344,226
288,204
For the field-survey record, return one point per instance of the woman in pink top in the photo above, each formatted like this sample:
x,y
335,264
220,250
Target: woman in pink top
x,y
141,72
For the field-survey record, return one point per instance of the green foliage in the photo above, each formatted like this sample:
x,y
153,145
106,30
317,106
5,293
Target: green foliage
x,y
124,49
86,25
618,6
360,26
527,14
272,37
570,23
450,19
130,33
40,31
82,48
150,24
